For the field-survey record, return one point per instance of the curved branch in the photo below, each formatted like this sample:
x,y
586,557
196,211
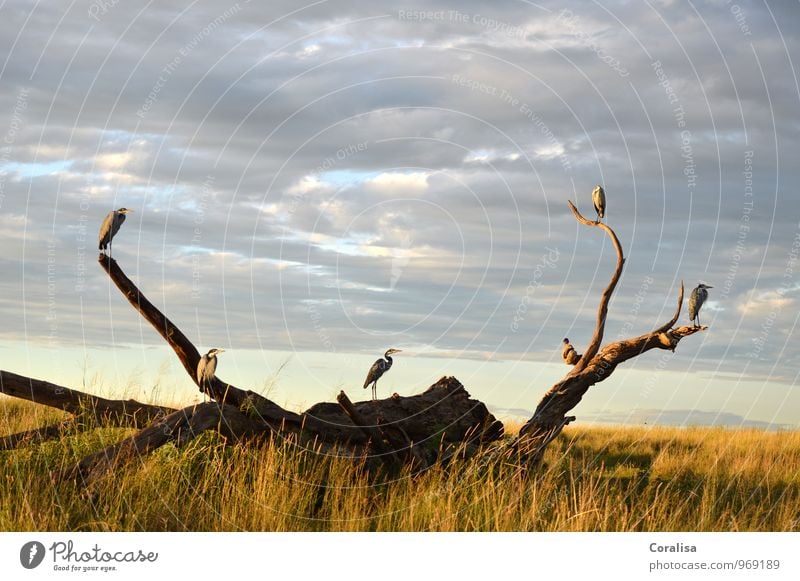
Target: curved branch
x,y
218,390
602,311
674,318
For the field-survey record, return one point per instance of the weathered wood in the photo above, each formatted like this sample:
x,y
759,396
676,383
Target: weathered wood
x,y
420,425
186,351
595,365
178,427
443,412
249,402
375,443
104,411
602,311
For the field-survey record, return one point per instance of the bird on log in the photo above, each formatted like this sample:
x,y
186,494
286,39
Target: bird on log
x,y
377,370
568,353
109,228
599,201
699,296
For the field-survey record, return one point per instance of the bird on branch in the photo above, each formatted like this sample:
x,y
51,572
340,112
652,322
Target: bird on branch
x,y
207,367
377,370
699,296
568,353
110,227
599,201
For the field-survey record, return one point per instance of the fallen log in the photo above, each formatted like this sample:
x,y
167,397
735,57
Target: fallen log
x,y
178,427
416,429
103,411
444,417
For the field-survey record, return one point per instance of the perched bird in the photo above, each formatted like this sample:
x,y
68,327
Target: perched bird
x,y
378,368
599,201
110,227
699,296
206,367
568,353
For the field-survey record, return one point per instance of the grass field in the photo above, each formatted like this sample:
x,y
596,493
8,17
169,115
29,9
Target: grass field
x,y
594,479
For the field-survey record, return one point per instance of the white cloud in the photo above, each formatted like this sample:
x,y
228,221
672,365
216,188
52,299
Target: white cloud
x,y
399,182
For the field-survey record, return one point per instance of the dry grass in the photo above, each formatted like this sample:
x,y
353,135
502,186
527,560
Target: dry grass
x,y
594,479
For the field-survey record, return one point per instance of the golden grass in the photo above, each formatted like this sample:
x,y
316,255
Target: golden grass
x,y
593,479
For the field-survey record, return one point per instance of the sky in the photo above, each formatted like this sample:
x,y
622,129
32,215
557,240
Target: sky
x,y
312,184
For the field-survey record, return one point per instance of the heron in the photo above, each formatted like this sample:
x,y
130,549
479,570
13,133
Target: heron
x,y
599,201
377,370
110,227
699,296
568,353
206,367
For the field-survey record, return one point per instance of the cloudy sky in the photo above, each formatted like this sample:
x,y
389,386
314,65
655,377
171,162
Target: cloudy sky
x,y
313,184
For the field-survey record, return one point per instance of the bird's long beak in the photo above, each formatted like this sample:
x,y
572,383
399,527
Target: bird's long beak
x,y
220,350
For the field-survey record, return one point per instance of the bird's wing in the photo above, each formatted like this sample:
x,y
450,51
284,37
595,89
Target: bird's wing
x,y
201,368
599,200
105,229
693,304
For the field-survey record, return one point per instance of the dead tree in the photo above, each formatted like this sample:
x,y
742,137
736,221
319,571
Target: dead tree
x,y
595,365
86,410
418,429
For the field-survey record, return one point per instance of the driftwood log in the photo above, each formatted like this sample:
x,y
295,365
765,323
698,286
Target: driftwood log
x,y
417,430
595,365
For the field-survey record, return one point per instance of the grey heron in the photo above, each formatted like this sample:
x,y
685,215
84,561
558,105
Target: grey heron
x,y
699,296
110,227
206,367
599,201
378,368
568,353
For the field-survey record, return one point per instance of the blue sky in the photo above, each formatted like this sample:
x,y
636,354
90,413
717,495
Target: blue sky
x,y
314,184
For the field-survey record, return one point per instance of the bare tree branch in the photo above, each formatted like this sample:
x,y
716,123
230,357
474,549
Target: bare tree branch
x,y
602,311
104,411
218,390
178,427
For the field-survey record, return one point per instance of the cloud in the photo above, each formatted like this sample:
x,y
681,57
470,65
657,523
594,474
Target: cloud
x,y
402,176
398,182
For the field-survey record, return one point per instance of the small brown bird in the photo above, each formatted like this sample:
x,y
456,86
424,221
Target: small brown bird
x,y
568,353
